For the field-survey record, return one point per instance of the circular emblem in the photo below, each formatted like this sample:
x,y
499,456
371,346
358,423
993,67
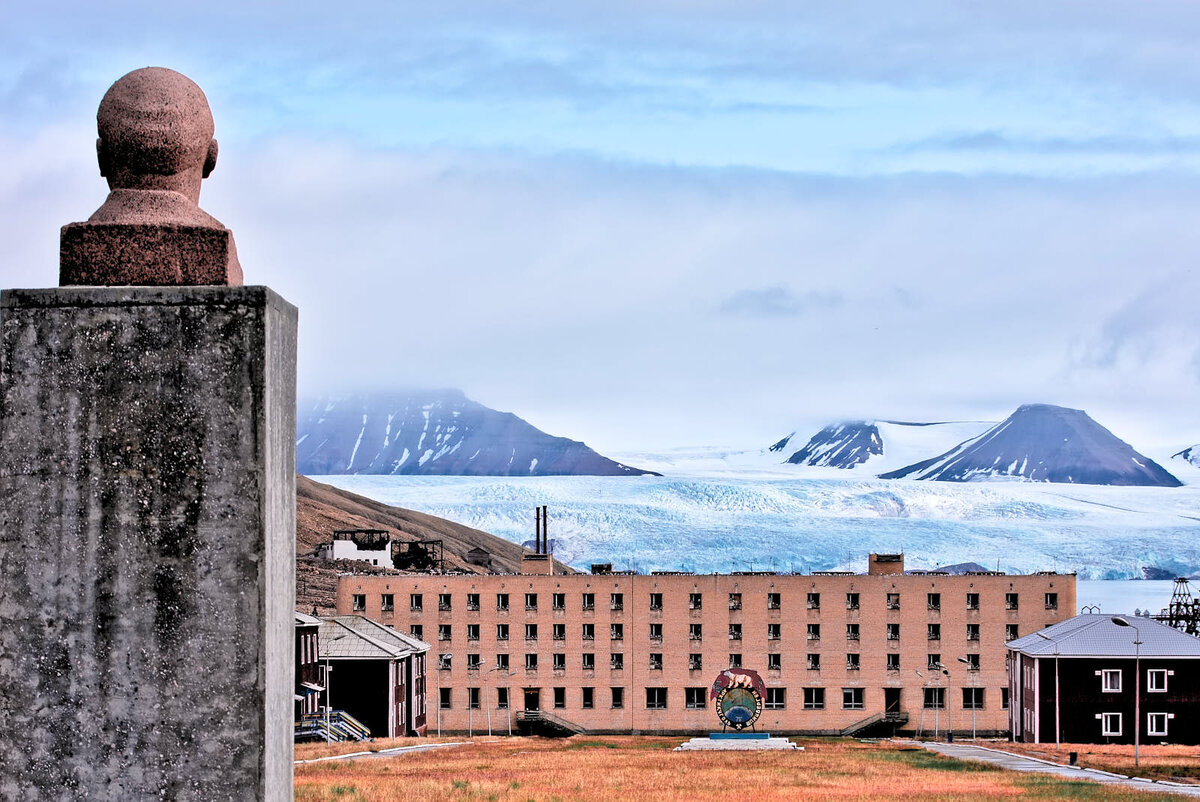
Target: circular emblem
x,y
738,696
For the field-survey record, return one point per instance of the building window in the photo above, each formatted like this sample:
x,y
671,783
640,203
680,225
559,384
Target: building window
x,y
1010,601
972,601
814,698
656,632
473,698
531,632
444,661
501,631
774,602
417,631
560,698
589,661
415,602
972,631
735,631
589,601
655,601
358,602
893,601
472,601
530,601
934,662
934,601
473,661
616,631
558,631
443,632
558,661
851,601
502,601
531,661
972,662
893,632
814,662
774,662
1004,698
1110,723
444,698
444,602
814,631
589,698
589,631
695,662
1156,723
558,601
774,631
851,631
935,698
1010,632
616,660
693,698
618,698
1110,680
776,699
853,662
1051,601
814,601
933,631
972,698
893,661
852,699
616,601
502,697
695,631
656,661
695,601
735,601
502,661
472,631
387,602
1156,680
735,660
656,698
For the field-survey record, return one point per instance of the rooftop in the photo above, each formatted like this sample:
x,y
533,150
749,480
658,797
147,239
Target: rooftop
x,y
352,636
1095,635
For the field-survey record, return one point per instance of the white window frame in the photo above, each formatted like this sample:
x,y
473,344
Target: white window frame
x,y
1165,717
1150,680
1105,727
1106,684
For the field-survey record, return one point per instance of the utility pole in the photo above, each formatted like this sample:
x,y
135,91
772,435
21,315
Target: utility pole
x,y
1137,683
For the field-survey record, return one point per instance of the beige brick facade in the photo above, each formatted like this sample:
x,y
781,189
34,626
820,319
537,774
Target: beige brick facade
x,y
659,623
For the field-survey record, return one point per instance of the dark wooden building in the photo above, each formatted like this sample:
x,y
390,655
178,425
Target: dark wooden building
x,y
1083,679
375,674
308,666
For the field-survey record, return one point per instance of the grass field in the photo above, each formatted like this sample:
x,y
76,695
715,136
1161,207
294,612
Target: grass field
x,y
645,769
1172,762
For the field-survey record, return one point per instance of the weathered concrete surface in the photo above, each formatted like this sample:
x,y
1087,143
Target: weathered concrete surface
x,y
147,505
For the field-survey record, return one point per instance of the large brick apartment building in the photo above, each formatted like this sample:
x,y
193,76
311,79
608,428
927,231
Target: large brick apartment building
x,y
625,653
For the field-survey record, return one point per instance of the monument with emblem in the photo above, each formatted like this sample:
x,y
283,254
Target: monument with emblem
x,y
737,695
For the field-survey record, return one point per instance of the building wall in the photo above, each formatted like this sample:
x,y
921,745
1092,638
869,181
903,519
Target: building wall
x,y
715,645
349,550
307,670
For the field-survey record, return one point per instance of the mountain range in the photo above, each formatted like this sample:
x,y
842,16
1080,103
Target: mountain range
x,y
434,432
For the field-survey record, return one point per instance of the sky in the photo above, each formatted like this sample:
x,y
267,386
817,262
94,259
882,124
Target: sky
x,y
659,224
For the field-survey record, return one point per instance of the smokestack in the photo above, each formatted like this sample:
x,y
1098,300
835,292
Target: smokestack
x,y
537,530
545,529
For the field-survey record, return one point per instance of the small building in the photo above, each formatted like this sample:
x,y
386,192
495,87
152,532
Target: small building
x,y
372,546
480,557
1085,680
308,666
375,674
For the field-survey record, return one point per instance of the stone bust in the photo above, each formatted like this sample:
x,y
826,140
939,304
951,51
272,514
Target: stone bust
x,y
155,146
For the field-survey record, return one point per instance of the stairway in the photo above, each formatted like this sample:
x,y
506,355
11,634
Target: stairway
x,y
337,725
539,722
884,722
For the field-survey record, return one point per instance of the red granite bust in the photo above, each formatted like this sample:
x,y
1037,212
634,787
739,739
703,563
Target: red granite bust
x,y
155,146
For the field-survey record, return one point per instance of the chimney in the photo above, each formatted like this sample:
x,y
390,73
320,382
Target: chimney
x,y
885,564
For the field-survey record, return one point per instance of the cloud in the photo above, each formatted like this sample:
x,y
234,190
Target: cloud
x,y
776,301
997,141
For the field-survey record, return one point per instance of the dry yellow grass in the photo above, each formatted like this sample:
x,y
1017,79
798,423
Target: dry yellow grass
x,y
645,769
1172,762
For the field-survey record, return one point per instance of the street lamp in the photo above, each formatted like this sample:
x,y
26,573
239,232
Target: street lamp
x,y
438,677
974,700
1137,682
328,668
1057,726
949,709
508,693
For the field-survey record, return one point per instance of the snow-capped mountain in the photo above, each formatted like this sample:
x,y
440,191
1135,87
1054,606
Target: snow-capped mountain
x,y
439,432
878,445
1043,443
1190,454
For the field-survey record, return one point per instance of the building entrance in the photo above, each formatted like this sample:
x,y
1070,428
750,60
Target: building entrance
x,y
891,700
532,696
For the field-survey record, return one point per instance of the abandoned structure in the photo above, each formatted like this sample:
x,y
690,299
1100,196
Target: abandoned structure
x,y
618,653
1094,679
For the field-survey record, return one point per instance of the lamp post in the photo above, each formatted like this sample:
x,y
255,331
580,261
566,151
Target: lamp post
x,y
974,701
328,668
949,709
487,704
1137,682
442,659
1057,726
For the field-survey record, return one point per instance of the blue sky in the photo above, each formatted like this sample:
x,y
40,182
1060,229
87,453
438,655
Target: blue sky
x,y
652,224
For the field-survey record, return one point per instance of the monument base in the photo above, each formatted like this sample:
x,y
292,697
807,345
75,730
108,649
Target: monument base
x,y
738,741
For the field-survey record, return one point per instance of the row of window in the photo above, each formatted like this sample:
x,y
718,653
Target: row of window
x,y
697,699
616,601
933,632
1156,723
616,660
1156,680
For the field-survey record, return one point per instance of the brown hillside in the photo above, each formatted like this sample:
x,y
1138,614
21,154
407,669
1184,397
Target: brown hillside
x,y
321,509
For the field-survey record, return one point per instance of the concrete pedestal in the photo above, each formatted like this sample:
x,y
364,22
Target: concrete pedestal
x,y
147,543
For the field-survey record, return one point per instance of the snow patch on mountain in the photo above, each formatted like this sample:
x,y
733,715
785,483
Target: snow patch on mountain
x,y
880,445
1190,455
